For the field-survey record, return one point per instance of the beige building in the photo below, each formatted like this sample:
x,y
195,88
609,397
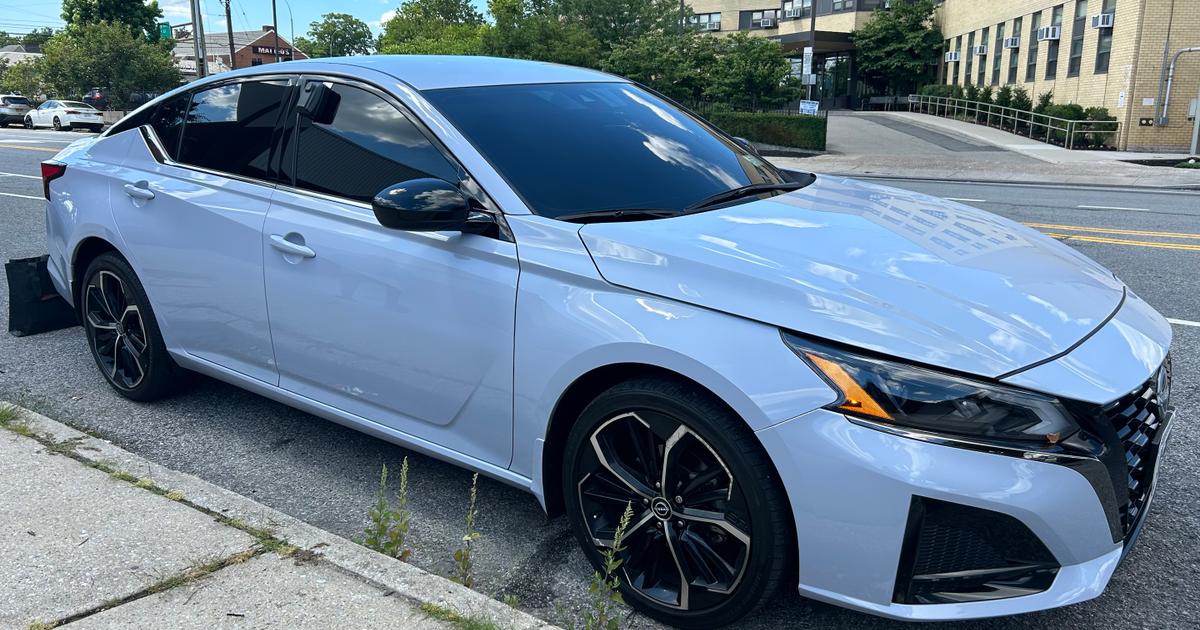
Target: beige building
x,y
1109,53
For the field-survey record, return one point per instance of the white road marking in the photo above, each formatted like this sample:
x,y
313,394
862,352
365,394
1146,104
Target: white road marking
x,y
1183,322
2,173
1113,208
8,194
965,199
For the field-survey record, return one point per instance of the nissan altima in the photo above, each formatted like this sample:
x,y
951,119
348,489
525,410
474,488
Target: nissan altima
x,y
561,279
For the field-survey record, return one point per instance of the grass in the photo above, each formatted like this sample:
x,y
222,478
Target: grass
x,y
462,555
1193,163
441,613
9,421
389,525
605,598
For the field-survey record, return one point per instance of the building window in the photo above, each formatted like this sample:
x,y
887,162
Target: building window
x,y
957,64
843,5
997,53
981,80
255,61
1014,53
1035,22
1052,45
970,58
764,19
1078,27
707,21
1104,43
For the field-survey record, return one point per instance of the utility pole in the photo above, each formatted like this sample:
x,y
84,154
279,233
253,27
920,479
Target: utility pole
x,y
198,40
229,32
275,29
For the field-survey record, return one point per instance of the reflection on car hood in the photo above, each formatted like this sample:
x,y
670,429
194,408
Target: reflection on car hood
x,y
893,271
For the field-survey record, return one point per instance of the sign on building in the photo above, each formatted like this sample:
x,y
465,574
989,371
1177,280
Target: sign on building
x,y
270,50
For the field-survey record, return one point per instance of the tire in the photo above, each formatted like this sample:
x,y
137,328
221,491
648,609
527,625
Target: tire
x,y
57,124
707,449
122,332
28,122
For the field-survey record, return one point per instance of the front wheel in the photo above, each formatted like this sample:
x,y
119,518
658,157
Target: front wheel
x,y
122,333
28,122
710,538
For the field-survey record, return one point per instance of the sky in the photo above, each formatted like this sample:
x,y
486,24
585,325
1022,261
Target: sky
x,y
248,15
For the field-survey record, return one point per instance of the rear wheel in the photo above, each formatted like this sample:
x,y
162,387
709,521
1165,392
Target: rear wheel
x,y
710,538
58,126
122,332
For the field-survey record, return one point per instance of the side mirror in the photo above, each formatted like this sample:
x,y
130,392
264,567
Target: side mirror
x,y
746,144
422,205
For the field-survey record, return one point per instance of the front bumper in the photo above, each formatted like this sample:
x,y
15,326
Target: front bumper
x,y
852,489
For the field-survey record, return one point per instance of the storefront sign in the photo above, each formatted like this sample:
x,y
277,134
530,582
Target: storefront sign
x,y
270,50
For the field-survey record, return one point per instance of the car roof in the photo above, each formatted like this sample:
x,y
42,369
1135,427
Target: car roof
x,y
434,72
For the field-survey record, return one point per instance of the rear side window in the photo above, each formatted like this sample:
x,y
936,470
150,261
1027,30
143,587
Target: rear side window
x,y
16,100
229,127
361,145
167,122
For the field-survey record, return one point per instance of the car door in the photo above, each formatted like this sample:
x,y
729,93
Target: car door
x,y
410,330
190,202
39,115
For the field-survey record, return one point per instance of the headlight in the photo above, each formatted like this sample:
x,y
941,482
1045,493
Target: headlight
x,y
889,392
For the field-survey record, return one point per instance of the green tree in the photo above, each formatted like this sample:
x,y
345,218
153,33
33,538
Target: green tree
x,y
140,17
37,36
898,46
23,77
614,22
535,29
434,27
106,55
337,35
678,64
751,72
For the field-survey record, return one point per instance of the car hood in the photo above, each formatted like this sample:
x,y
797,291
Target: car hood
x,y
897,272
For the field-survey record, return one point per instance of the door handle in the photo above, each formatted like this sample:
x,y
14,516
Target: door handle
x,y
140,190
288,247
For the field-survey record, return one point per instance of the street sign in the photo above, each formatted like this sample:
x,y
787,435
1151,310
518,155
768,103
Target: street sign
x,y
808,59
809,107
164,30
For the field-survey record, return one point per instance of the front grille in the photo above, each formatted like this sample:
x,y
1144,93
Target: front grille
x,y
1137,418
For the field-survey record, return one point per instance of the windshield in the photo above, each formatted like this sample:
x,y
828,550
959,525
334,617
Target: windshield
x,y
15,100
579,147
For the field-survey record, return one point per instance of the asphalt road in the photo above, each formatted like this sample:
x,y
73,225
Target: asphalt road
x,y
327,475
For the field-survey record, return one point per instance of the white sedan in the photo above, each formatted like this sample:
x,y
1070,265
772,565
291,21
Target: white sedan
x,y
63,115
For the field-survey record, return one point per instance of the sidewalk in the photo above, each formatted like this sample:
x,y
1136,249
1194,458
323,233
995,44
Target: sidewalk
x,y
92,536
921,146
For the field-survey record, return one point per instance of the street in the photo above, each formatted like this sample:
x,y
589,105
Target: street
x,y
328,475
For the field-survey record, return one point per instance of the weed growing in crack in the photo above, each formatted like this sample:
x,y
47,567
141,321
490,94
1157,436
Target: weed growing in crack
x,y
462,555
605,599
389,526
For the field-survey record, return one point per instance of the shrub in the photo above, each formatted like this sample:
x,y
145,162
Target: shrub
x,y
937,89
1188,164
1044,101
1004,96
972,93
389,526
801,132
1102,127
956,91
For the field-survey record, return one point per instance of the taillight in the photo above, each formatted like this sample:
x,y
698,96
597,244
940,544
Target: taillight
x,y
50,172
72,111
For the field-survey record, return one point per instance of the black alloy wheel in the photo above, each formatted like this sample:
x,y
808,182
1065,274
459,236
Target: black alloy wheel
x,y
122,333
709,537
57,124
28,122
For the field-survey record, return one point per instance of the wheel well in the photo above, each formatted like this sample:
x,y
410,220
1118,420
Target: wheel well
x,y
85,253
572,402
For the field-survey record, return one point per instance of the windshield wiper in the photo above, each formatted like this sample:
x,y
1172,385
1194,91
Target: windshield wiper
x,y
744,191
618,214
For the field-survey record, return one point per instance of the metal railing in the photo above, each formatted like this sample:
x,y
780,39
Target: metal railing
x,y
1049,129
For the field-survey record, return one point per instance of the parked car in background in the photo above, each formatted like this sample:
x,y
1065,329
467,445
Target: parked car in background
x,y
892,402
65,115
13,108
98,98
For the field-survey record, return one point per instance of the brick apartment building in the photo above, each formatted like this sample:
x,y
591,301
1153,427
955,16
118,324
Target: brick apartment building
x,y
251,48
1110,53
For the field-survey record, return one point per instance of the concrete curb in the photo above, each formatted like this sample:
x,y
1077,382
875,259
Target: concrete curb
x,y
1016,182
404,579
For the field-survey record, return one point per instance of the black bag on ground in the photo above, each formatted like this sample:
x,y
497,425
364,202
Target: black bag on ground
x,y
34,306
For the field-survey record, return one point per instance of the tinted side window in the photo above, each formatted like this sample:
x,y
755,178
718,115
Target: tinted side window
x,y
362,145
167,122
229,127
